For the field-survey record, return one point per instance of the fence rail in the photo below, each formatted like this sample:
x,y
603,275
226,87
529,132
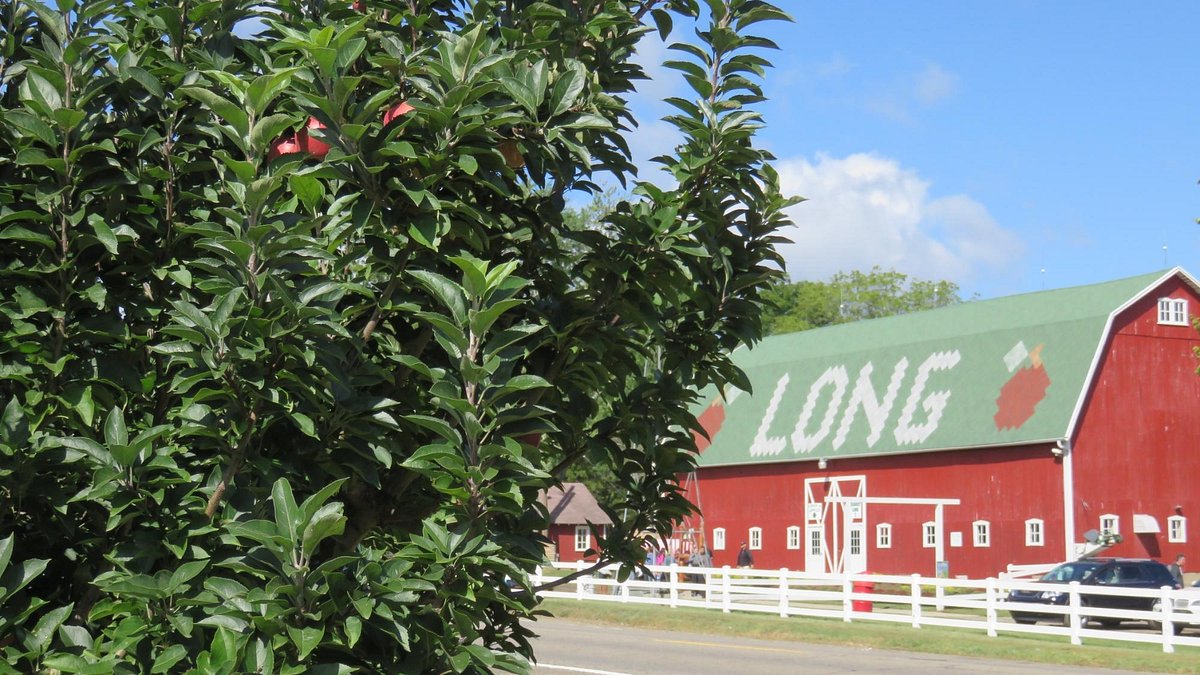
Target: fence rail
x,y
980,604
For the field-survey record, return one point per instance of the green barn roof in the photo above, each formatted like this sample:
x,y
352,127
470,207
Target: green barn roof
x,y
1007,371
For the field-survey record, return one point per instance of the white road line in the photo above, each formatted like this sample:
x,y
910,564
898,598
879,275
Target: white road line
x,y
579,670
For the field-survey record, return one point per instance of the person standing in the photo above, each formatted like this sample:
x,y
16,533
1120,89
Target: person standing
x,y
1177,569
744,559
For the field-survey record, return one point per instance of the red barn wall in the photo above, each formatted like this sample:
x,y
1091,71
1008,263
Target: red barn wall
x,y
1005,486
1138,448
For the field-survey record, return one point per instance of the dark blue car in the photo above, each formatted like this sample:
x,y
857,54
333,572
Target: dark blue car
x,y
1120,572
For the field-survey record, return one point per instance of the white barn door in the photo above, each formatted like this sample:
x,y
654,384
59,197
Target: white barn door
x,y
835,533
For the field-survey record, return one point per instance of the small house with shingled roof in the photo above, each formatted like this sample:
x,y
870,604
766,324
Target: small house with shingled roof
x,y
573,514
1018,430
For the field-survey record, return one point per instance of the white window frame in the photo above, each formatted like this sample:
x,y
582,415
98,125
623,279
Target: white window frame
x,y
718,539
583,538
1172,312
981,533
1177,529
1035,532
1110,522
816,542
793,538
855,547
883,535
755,539
929,534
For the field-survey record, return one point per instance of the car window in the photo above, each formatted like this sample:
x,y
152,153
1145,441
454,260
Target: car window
x,y
1107,575
1070,572
1128,573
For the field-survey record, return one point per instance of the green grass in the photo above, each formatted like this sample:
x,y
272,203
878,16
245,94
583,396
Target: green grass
x,y
1045,649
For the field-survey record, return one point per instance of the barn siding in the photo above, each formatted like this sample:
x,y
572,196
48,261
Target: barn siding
x,y
1138,449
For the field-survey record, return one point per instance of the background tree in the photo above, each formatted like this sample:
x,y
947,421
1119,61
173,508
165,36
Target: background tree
x,y
293,332
852,296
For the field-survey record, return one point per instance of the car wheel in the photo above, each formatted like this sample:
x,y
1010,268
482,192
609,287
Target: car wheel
x,y
1157,625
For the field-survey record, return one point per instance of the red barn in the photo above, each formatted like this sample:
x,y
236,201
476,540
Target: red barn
x,y
573,513
963,439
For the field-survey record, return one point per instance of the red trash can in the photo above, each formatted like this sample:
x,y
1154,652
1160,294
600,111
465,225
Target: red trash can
x,y
863,586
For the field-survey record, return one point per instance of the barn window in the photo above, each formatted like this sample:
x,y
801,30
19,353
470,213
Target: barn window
x,y
793,538
930,538
755,538
1172,311
1177,529
718,539
982,531
1033,532
583,537
1110,523
814,542
883,535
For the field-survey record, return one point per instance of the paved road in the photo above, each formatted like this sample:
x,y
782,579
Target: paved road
x,y
569,647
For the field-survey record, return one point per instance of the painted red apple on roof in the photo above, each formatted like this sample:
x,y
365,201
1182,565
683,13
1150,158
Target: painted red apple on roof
x,y
1022,393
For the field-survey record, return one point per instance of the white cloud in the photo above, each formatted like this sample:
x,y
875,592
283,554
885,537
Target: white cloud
x,y
865,210
934,84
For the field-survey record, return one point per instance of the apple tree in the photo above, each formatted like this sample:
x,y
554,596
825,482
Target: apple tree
x,y
293,334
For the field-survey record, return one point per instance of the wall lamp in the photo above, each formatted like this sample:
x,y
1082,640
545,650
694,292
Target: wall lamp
x,y
822,464
1061,446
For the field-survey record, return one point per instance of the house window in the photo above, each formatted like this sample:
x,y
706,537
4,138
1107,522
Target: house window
x,y
1110,523
1172,311
883,535
793,538
755,538
814,543
583,538
982,531
1177,529
719,539
929,538
1033,532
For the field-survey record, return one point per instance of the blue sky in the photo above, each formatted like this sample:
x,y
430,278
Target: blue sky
x,y
981,142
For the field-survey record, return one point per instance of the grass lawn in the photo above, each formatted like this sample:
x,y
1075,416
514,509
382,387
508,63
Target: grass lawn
x,y
930,639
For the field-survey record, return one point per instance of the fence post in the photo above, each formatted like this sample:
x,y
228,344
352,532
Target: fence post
x,y
725,599
990,603
1075,618
847,602
580,583
939,593
916,601
783,592
673,584
625,590
1167,605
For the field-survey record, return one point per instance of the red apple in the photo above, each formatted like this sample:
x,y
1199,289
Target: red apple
x,y
309,144
534,439
512,154
284,145
401,108
359,5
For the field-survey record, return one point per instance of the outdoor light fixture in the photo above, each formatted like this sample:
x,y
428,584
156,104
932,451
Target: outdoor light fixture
x,y
1060,447
822,464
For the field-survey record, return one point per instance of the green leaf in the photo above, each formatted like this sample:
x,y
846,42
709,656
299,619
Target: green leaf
x,y
305,639
14,426
168,658
115,432
39,639
327,522
223,107
287,515
315,501
105,234
449,294
185,573
353,628
304,423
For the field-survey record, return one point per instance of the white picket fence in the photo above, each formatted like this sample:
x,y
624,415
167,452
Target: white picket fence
x,y
979,604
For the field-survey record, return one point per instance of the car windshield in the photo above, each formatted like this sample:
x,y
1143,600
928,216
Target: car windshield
x,y
1071,572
